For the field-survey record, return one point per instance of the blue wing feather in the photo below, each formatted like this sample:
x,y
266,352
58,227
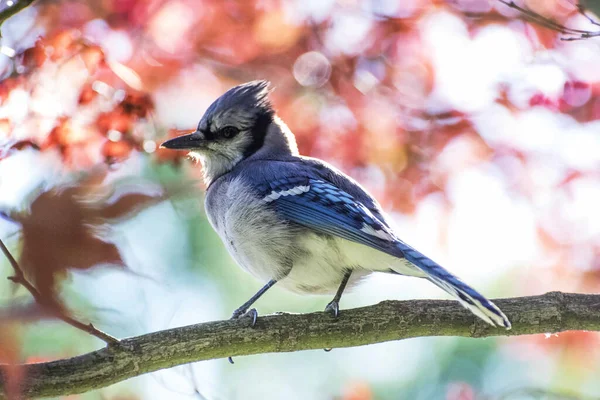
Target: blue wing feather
x,y
328,209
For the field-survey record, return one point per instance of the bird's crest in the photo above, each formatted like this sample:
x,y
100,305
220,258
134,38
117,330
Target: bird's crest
x,y
252,95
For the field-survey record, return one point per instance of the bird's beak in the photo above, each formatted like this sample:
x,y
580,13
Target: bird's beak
x,y
193,140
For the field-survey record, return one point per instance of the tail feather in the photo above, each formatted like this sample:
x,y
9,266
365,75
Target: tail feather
x,y
466,295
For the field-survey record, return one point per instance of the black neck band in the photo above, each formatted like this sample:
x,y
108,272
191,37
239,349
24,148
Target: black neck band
x,y
259,132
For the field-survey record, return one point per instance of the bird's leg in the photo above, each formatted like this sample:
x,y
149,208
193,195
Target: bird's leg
x,y
243,309
334,305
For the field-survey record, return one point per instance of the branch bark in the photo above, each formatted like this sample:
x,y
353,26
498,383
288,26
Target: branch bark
x,y
386,321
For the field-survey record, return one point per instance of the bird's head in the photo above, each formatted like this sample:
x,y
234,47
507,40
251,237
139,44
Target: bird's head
x,y
235,126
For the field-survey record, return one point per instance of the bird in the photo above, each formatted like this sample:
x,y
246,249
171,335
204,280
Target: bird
x,y
297,221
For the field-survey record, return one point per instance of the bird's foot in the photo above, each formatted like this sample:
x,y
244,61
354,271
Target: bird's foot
x,y
334,308
243,313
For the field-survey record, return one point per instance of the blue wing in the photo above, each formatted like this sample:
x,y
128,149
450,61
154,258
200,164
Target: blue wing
x,y
325,208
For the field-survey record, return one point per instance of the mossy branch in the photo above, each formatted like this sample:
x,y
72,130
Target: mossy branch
x,y
386,321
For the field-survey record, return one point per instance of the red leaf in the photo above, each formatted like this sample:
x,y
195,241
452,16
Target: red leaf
x,y
137,104
127,205
116,151
35,56
114,120
87,95
93,57
63,43
61,230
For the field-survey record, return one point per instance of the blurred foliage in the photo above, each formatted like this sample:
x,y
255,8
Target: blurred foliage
x,y
408,97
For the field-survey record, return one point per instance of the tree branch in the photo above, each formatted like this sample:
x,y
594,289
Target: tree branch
x,y
9,11
386,321
19,278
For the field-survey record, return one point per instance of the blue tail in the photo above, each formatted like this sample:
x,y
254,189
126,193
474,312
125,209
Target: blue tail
x,y
466,295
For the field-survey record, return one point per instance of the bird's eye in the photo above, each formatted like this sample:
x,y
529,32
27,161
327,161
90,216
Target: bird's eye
x,y
229,131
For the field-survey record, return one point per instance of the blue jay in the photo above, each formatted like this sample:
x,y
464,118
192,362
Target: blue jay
x,y
294,220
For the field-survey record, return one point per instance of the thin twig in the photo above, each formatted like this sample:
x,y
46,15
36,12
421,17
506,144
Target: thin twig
x,y
12,10
540,19
550,24
582,10
583,36
19,278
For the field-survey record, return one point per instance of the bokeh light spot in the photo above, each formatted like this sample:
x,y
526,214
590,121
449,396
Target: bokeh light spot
x,y
149,146
114,135
312,69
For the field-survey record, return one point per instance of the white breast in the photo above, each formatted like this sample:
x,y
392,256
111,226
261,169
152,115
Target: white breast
x,y
258,240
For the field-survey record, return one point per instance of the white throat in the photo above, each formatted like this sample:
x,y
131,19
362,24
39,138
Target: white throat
x,y
215,165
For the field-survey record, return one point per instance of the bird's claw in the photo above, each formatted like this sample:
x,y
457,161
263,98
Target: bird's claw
x,y
334,308
241,313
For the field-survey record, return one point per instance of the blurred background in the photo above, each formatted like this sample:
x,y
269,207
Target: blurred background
x,y
476,128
